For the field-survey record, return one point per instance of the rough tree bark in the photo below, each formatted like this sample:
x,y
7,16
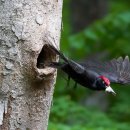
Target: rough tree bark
x,y
25,89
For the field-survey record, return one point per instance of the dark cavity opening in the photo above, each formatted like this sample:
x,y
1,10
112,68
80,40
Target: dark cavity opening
x,y
45,57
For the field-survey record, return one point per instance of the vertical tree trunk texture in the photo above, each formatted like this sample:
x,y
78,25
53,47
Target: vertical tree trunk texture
x,y
84,12
25,89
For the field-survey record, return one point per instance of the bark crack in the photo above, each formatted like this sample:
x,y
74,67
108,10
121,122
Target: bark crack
x,y
6,114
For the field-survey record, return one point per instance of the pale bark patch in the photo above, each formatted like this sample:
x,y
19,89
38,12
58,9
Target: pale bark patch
x,y
25,89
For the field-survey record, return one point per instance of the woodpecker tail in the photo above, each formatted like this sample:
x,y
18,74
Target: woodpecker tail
x,y
55,64
58,53
67,63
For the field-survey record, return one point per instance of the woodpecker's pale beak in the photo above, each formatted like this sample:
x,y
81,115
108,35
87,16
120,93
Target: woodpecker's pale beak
x,y
110,90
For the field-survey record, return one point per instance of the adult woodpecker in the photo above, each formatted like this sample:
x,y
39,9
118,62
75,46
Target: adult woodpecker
x,y
95,75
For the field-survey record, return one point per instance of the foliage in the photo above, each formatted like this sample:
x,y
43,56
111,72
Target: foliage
x,y
111,35
73,117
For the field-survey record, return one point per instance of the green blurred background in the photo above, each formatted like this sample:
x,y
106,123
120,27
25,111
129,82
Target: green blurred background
x,y
91,27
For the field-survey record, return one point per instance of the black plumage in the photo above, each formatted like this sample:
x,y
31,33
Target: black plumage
x,y
116,70
94,74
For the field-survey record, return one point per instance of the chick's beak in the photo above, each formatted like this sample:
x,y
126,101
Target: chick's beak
x,y
110,90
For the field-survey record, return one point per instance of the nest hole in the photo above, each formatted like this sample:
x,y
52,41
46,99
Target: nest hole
x,y
45,57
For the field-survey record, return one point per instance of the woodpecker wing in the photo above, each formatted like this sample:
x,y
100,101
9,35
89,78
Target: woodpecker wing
x,y
116,70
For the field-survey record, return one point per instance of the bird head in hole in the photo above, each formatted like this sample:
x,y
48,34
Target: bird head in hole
x,y
105,83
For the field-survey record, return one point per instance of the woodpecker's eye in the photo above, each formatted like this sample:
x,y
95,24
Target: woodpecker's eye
x,y
103,82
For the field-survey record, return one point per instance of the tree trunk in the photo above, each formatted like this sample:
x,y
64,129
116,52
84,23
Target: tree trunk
x,y
25,89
